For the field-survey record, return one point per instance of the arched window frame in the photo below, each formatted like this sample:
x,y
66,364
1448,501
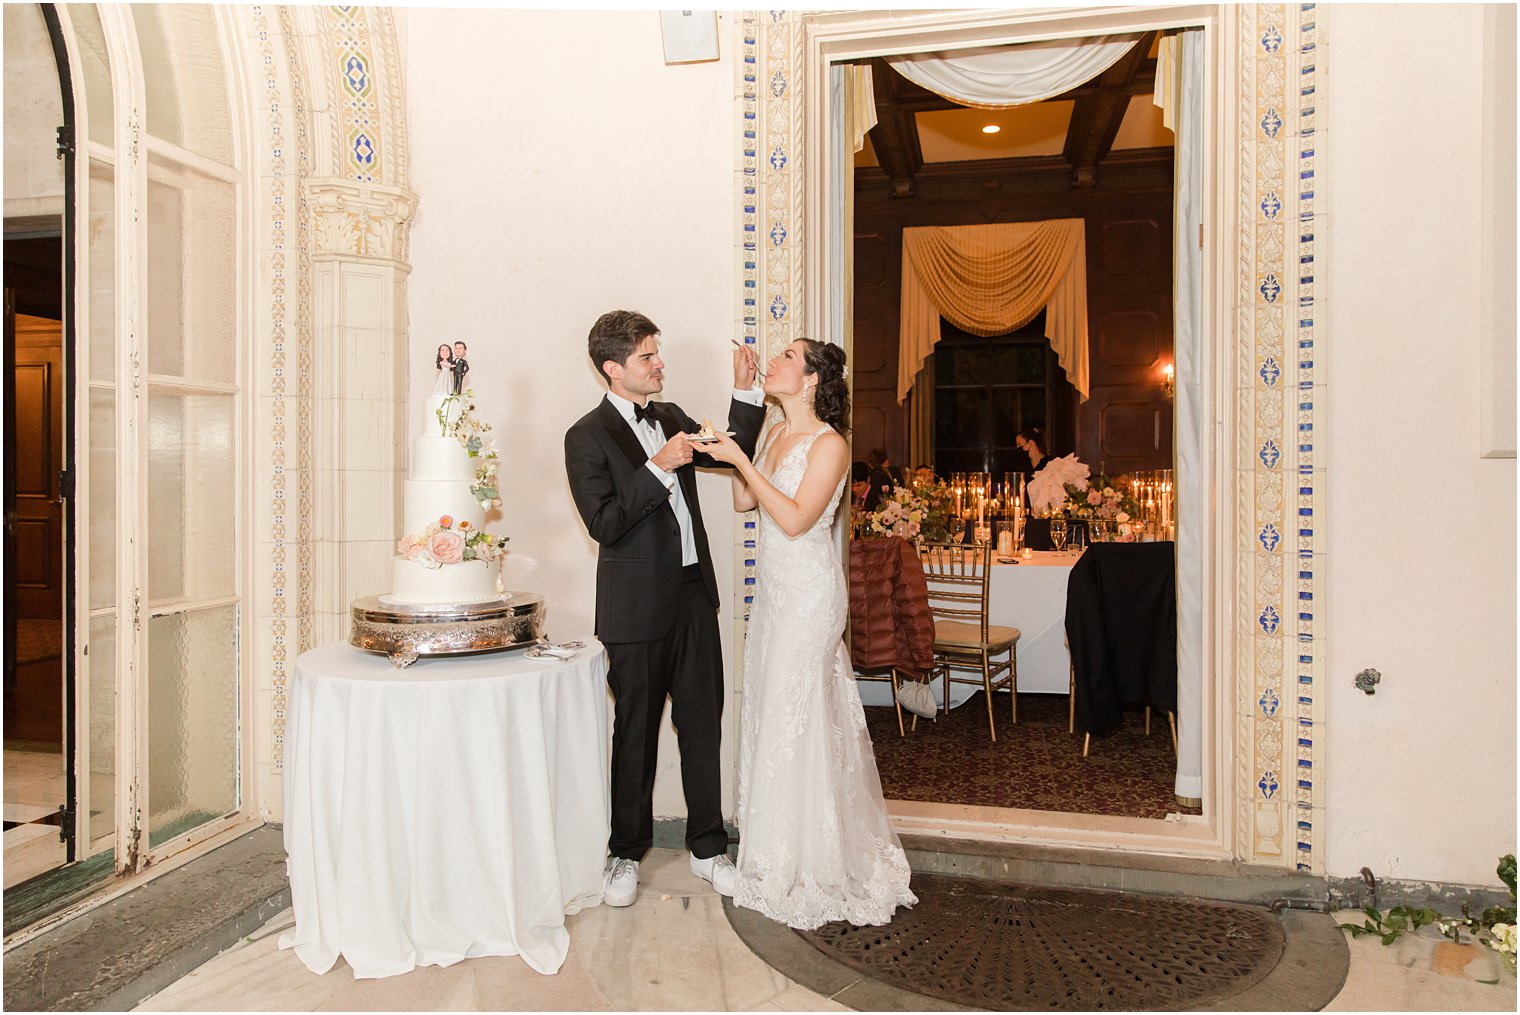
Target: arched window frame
x,y
128,155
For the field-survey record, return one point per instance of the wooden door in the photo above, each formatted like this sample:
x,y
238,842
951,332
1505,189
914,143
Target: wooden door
x,y
37,422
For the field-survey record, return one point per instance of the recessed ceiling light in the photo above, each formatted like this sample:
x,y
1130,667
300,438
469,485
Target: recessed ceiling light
x,y
991,128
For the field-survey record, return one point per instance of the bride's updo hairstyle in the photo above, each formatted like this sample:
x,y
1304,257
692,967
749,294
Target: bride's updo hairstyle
x,y
831,398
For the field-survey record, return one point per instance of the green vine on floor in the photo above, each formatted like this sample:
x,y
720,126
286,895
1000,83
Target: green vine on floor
x,y
1495,927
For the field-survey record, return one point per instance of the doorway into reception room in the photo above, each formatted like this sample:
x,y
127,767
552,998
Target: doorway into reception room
x,y
1014,291
126,711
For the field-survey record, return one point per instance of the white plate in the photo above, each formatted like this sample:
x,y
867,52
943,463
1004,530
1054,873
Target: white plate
x,y
707,440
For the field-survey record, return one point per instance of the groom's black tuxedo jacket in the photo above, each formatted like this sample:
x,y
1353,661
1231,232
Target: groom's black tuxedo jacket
x,y
631,515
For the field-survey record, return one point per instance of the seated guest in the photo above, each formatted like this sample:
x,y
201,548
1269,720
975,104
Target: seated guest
x,y
1032,443
923,476
880,480
860,476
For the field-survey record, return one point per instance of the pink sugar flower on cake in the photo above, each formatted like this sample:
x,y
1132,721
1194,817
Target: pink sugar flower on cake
x,y
446,547
447,521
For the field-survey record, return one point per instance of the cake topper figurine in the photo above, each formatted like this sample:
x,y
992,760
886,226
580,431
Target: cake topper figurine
x,y
443,383
461,366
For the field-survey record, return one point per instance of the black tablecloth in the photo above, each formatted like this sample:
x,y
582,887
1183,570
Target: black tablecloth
x,y
1121,625
1037,532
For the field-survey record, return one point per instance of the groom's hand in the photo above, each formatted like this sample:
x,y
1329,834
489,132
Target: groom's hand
x,y
675,453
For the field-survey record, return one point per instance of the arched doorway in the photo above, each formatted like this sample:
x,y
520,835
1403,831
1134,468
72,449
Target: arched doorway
x,y
154,379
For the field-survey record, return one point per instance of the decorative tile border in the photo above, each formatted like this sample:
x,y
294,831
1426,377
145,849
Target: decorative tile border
x,y
770,181
747,179
1278,402
1310,475
357,132
1276,293
279,240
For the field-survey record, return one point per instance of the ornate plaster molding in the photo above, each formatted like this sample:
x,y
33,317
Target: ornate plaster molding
x,y
352,219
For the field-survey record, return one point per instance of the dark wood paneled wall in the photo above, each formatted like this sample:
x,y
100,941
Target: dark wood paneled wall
x,y
1126,423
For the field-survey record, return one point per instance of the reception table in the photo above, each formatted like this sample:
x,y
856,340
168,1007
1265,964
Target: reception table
x,y
453,809
1031,596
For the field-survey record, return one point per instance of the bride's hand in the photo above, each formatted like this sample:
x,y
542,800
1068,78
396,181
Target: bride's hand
x,y
724,450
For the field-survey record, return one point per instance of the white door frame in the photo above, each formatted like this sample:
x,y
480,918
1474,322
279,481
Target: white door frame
x,y
832,38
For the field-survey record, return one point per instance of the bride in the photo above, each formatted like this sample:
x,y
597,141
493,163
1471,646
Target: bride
x,y
443,384
815,842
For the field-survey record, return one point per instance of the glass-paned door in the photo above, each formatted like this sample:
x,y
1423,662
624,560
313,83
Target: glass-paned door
x,y
159,304
193,443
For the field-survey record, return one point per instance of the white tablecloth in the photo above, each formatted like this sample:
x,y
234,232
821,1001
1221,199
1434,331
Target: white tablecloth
x,y
452,809
1031,596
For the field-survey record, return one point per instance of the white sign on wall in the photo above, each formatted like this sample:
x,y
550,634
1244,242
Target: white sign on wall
x,y
690,36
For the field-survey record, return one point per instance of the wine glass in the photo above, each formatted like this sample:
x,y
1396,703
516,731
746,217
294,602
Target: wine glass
x,y
1058,533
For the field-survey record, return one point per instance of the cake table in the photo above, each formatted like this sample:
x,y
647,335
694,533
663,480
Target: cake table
x,y
453,809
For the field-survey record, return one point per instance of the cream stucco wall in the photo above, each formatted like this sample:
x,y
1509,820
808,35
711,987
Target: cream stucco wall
x,y
562,170
535,216
33,112
1421,529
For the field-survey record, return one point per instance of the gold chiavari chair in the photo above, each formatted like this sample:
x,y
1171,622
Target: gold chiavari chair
x,y
957,577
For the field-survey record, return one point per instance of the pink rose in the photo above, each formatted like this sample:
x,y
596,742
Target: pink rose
x,y
413,550
447,547
1094,498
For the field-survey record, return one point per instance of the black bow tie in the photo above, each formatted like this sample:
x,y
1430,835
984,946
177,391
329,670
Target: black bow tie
x,y
640,413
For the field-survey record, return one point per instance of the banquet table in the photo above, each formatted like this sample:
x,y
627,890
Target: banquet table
x,y
1031,596
452,809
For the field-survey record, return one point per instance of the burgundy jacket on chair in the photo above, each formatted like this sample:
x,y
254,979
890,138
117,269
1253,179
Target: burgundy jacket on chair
x,y
890,622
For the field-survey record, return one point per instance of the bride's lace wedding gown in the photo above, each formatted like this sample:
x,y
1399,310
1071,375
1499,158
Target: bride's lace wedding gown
x,y
815,841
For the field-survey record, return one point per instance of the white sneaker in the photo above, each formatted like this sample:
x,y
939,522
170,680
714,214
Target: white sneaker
x,y
717,871
622,884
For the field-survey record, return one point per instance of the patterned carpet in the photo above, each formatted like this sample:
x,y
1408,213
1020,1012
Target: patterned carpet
x,y
1035,765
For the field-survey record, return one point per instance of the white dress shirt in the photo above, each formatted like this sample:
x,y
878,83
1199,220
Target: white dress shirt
x,y
651,436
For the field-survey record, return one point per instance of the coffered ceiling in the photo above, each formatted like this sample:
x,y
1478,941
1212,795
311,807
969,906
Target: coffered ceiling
x,y
1114,111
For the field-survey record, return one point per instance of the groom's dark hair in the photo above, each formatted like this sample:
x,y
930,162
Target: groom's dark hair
x,y
615,335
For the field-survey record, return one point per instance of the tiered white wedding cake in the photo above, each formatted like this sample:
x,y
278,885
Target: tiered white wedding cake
x,y
446,556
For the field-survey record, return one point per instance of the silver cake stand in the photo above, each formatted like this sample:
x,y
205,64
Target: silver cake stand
x,y
405,632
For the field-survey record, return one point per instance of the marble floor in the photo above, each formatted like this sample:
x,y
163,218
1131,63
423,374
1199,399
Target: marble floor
x,y
674,950
33,791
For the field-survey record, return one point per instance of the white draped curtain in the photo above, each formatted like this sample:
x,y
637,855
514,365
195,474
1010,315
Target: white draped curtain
x,y
990,280
1002,76
1179,92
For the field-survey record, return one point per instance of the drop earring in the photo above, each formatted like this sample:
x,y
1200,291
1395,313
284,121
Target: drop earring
x,y
807,396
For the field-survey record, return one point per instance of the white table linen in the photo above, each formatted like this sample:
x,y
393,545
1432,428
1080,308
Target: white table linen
x,y
1031,596
453,809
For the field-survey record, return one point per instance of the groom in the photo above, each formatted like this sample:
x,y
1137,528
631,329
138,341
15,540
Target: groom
x,y
633,477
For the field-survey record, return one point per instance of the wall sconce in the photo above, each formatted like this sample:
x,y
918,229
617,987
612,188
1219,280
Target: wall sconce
x,y
1168,382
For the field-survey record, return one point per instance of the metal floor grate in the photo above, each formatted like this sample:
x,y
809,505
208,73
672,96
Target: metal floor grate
x,y
1004,946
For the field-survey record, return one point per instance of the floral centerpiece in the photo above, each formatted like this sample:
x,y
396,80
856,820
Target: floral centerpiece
x,y
900,514
1106,498
1054,486
471,434
1066,488
939,515
926,509
449,542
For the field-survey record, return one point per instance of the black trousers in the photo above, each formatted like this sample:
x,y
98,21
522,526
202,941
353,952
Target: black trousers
x,y
687,666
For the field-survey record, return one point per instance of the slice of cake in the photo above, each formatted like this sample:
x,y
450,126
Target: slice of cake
x,y
446,556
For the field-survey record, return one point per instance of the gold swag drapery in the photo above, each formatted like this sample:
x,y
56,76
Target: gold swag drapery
x,y
989,280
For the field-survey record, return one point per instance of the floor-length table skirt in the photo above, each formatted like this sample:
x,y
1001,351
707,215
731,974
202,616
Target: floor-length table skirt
x,y
1030,596
453,809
